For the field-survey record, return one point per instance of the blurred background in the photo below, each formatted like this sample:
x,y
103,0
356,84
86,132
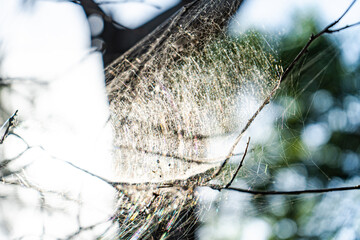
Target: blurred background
x,y
307,138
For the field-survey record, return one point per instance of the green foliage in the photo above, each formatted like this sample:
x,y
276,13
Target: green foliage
x,y
316,100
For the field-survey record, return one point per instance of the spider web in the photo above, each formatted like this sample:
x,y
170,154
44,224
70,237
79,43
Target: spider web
x,y
178,96
179,99
289,160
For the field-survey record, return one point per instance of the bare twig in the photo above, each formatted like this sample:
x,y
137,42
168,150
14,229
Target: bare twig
x,y
237,140
89,173
240,165
5,162
10,123
313,38
91,7
343,28
309,191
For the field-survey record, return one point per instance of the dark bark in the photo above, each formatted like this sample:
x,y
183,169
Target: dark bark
x,y
195,23
116,38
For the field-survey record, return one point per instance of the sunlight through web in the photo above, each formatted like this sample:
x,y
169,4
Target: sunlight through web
x,y
172,106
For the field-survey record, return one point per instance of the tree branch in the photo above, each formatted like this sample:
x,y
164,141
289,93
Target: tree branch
x,y
342,28
237,140
91,7
10,123
240,165
298,192
313,38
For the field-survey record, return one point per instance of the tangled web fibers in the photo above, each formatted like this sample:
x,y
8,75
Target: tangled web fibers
x,y
180,109
175,101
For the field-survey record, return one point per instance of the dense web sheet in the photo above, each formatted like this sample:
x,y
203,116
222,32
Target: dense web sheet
x,y
176,98
179,110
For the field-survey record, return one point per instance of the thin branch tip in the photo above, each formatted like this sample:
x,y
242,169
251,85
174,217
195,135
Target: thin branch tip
x,y
240,165
10,122
313,37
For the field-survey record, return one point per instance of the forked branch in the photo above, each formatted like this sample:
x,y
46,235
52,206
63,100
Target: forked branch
x,y
240,165
313,37
10,123
328,29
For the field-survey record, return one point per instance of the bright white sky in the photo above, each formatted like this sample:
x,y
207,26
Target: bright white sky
x,y
133,14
